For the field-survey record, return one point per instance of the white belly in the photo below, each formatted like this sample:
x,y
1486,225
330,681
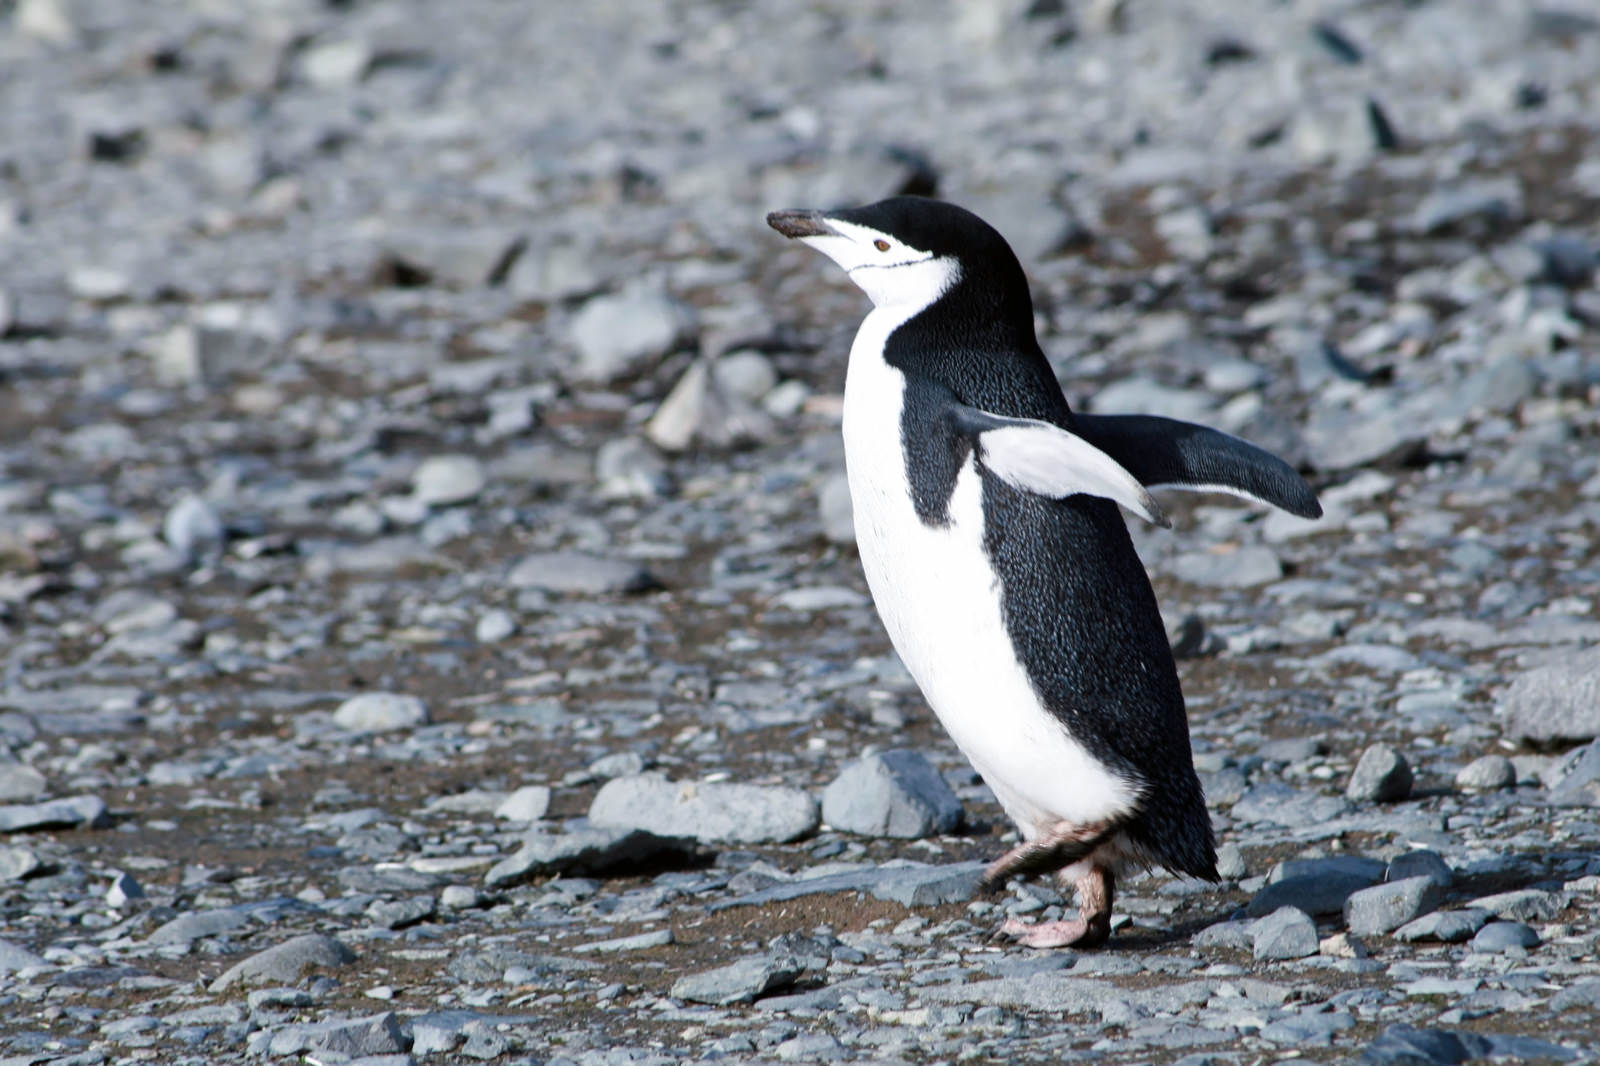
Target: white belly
x,y
939,598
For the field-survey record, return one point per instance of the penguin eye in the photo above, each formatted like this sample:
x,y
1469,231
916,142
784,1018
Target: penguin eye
x,y
881,245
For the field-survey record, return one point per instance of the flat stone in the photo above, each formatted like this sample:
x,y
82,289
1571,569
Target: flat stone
x,y
444,480
893,794
1444,927
637,942
1382,775
1286,933
1498,937
1575,779
401,913
1487,773
1406,1045
584,850
88,812
1557,702
353,1039
623,333
1523,905
1315,894
381,712
284,963
1278,804
1583,994
1371,870
18,862
527,804
14,957
20,782
927,886
577,572
1308,1028
1241,568
740,982
196,925
709,812
1386,907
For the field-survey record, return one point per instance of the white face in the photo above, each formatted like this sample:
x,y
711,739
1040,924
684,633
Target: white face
x,y
889,271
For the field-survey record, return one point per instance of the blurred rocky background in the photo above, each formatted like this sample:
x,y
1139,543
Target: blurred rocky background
x,y
431,629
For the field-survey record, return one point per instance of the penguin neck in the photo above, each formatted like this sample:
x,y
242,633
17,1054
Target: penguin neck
x,y
976,338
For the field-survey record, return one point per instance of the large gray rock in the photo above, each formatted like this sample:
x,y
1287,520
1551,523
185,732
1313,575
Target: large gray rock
x,y
1556,702
894,794
14,957
578,572
1382,775
195,925
1445,927
1240,568
1575,779
1286,933
18,862
586,849
624,333
739,982
1315,894
1386,907
284,963
1524,905
19,782
69,813
1498,937
717,812
380,712
1487,773
1421,863
350,1039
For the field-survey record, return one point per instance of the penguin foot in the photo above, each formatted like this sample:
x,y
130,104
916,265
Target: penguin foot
x,y
1062,846
1076,933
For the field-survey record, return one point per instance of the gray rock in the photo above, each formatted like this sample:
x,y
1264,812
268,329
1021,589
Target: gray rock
x,y
18,862
699,411
1575,780
1238,936
1343,439
14,957
739,982
1286,933
196,925
1243,567
1308,1028
1583,994
576,572
656,938
88,812
353,1039
527,804
1488,200
1315,894
1369,870
1421,863
895,794
192,527
1524,905
1445,927
584,849
381,712
836,510
624,333
1382,775
1498,937
618,764
494,625
1487,773
554,271
443,480
1276,803
928,886
336,64
19,781
1386,907
1556,702
708,812
462,258
400,913
284,963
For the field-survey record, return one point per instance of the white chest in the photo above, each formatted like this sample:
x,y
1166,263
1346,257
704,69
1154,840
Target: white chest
x,y
940,600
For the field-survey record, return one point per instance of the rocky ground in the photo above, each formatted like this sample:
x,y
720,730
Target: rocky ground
x,y
431,626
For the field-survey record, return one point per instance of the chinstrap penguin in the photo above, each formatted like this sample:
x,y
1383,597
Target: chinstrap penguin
x,y
986,517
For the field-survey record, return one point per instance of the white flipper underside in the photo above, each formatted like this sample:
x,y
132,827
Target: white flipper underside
x,y
1049,461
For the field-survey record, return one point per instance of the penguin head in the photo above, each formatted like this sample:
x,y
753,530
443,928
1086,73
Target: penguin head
x,y
909,250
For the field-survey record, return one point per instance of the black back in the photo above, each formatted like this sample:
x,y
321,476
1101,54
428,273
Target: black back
x,y
1076,600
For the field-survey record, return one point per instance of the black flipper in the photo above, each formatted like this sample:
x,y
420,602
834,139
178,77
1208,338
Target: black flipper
x,y
1165,451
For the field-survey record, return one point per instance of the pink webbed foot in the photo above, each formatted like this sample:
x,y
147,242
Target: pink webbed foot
x,y
1064,934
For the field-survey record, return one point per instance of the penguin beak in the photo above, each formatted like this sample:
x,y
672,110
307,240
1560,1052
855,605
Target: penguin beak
x,y
801,224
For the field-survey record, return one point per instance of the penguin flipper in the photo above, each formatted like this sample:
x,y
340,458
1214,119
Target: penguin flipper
x,y
1165,451
1047,460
